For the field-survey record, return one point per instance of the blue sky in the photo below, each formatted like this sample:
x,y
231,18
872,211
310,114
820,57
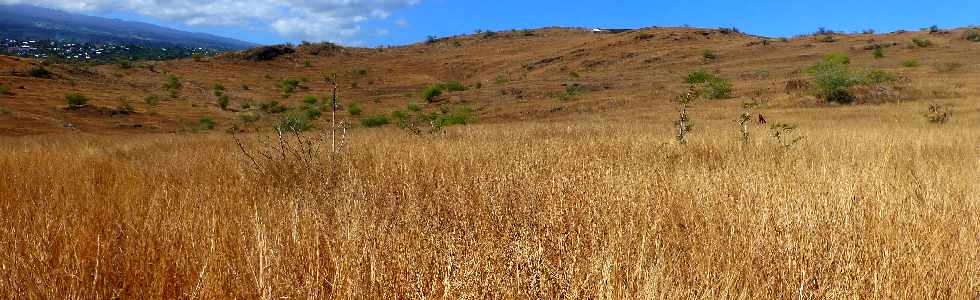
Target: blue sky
x,y
396,22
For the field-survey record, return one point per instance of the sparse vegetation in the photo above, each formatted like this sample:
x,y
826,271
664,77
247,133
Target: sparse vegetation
x,y
453,86
921,43
353,109
288,86
218,89
414,107
249,117
878,52
431,92
972,35
571,90
151,100
39,72
172,83
223,102
910,63
5,91
75,100
948,67
500,79
374,121
272,107
833,80
294,122
709,54
205,123
709,85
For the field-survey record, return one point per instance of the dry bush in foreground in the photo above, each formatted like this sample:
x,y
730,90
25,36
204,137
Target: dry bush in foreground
x,y
582,210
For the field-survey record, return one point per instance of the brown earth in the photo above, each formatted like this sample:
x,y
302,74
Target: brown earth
x,y
519,74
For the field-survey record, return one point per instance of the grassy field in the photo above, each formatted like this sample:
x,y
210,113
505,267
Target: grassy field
x,y
874,202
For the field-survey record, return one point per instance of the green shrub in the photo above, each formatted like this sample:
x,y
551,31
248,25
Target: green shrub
x,y
431,92
911,63
309,99
568,94
218,89
197,56
718,89
223,102
249,117
288,86
272,107
574,75
294,122
39,72
312,113
205,123
832,81
837,58
461,116
827,39
353,109
5,91
708,54
75,100
412,106
151,99
453,86
307,63
713,87
124,63
921,43
500,79
374,121
699,76
878,76
124,107
878,53
172,83
972,35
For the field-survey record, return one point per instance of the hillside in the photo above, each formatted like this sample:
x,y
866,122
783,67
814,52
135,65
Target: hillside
x,y
518,75
25,22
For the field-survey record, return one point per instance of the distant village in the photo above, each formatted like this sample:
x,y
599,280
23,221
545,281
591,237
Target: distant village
x,y
102,52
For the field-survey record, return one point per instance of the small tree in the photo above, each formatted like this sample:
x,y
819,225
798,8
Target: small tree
x,y
833,80
744,120
684,125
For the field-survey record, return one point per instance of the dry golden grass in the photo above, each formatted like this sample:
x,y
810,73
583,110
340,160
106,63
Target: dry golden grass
x,y
873,203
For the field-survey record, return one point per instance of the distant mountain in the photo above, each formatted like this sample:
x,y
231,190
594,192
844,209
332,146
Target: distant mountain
x,y
31,22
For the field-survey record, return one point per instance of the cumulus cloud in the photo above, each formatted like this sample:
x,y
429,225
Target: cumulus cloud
x,y
334,20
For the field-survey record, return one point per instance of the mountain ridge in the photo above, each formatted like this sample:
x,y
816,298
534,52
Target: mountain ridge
x,y
20,21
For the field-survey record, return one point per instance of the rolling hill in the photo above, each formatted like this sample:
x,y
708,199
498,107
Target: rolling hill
x,y
543,74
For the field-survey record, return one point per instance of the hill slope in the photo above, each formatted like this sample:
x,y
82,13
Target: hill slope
x,y
30,22
510,76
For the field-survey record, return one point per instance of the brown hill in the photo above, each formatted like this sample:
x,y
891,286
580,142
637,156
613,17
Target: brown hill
x,y
515,75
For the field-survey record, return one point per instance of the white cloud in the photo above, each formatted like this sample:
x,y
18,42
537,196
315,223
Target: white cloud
x,y
315,20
